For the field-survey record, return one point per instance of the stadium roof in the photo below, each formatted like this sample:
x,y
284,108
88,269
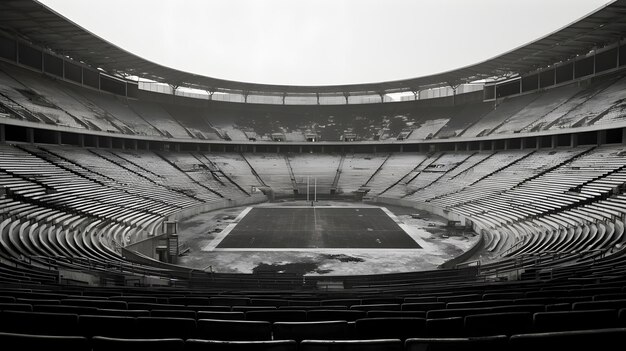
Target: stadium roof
x,y
40,25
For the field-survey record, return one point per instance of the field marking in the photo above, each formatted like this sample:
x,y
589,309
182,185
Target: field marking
x,y
318,206
218,239
346,251
411,231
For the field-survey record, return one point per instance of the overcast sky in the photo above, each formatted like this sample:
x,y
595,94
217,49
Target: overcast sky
x,y
320,42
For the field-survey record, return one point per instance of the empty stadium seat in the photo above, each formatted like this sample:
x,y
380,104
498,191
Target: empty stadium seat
x,y
390,328
164,344
43,342
271,345
277,316
39,323
333,315
574,320
108,326
298,331
444,327
235,330
508,323
606,339
486,343
165,327
351,345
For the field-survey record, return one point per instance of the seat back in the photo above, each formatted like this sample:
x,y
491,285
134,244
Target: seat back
x,y
165,327
378,314
44,342
335,315
390,328
604,339
498,324
298,331
39,323
351,345
234,330
574,320
215,345
109,326
221,315
444,327
488,343
101,343
173,313
277,316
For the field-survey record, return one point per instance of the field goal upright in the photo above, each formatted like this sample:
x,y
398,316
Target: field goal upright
x,y
313,198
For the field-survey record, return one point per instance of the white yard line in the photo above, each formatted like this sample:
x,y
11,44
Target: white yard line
x,y
411,231
218,239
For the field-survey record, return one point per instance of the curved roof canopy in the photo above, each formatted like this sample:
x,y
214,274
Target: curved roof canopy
x,y
40,25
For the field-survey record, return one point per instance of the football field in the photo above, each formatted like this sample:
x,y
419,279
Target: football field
x,y
315,228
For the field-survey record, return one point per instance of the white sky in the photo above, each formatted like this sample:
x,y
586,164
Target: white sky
x,y
320,42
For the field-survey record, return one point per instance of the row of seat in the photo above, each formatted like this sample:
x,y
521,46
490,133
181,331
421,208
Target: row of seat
x,y
292,325
610,339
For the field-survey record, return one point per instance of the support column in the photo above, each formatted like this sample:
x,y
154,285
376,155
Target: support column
x,y
374,148
3,136
454,87
97,141
134,143
624,135
601,137
555,141
537,143
402,146
57,137
109,142
456,147
574,140
522,143
300,149
81,140
253,148
30,135
278,149
481,145
174,88
506,144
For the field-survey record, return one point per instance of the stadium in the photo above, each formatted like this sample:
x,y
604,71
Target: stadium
x,y
144,206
